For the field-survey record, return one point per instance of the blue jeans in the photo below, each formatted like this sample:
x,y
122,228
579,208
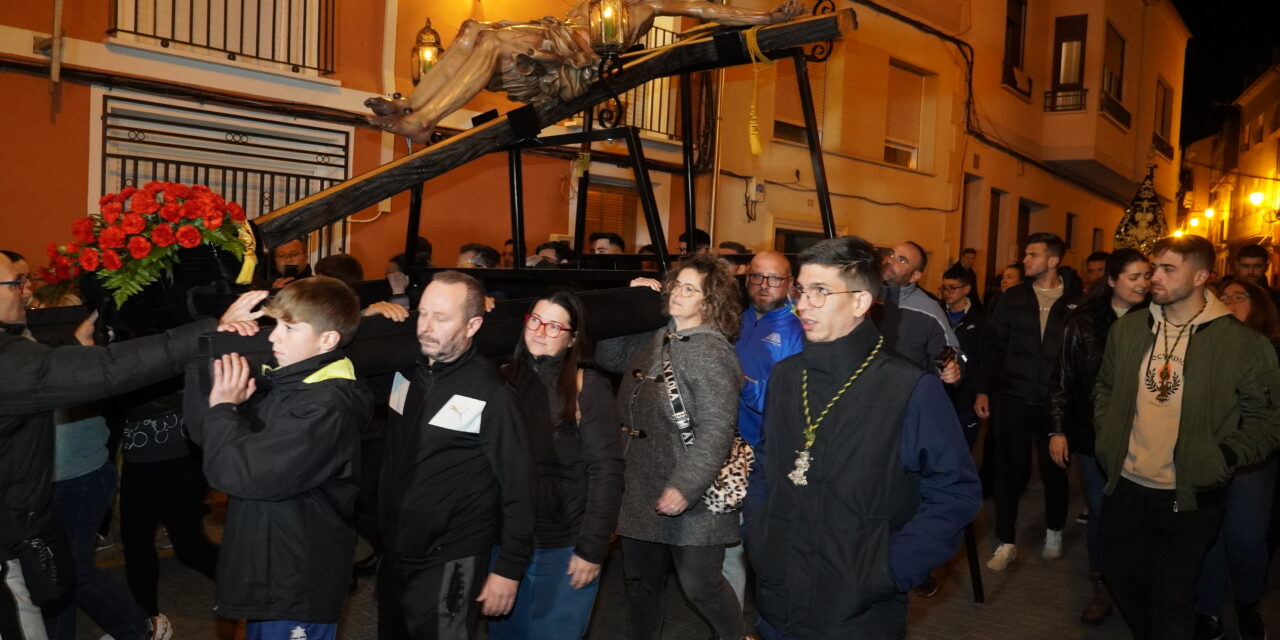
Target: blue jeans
x,y
81,504
289,630
546,605
1094,481
1241,548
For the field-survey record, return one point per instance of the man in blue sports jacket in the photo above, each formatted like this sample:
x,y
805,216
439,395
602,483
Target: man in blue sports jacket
x,y
770,332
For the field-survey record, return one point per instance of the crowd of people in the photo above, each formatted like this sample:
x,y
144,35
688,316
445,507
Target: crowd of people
x,y
804,435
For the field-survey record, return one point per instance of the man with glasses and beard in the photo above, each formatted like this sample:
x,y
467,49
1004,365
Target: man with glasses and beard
x,y
871,483
456,480
770,333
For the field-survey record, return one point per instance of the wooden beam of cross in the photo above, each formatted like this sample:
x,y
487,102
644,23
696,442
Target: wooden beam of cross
x,y
727,48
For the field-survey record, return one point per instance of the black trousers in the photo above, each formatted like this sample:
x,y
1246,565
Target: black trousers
x,y
1151,556
646,566
366,514
1019,427
433,603
172,492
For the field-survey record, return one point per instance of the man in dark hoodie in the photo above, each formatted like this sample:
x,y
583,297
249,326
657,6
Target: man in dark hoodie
x,y
288,458
457,479
1023,342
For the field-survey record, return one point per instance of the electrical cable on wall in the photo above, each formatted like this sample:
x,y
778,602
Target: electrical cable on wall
x,y
797,186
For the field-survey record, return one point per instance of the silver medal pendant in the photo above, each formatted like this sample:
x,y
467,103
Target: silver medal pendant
x,y
797,475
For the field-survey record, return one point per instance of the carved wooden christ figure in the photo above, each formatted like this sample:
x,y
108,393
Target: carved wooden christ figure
x,y
536,61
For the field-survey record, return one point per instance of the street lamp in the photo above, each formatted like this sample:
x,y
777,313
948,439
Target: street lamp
x,y
1178,233
1208,213
1195,222
1256,198
426,52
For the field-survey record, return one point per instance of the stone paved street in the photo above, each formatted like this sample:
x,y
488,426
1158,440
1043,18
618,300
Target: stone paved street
x,y
1034,599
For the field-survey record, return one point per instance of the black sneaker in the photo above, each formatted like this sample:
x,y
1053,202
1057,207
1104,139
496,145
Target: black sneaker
x,y
928,588
367,567
1250,621
1208,627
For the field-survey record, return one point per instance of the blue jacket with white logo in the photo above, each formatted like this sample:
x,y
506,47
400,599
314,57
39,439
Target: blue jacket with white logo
x,y
763,342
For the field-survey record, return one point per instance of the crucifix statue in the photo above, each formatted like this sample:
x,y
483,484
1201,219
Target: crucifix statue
x,y
537,61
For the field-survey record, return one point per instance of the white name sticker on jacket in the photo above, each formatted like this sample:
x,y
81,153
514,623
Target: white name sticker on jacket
x,y
460,413
399,391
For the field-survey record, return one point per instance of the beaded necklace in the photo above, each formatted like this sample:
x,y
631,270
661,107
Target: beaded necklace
x,y
803,459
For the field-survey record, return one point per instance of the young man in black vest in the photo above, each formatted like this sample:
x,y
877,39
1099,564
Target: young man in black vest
x,y
853,429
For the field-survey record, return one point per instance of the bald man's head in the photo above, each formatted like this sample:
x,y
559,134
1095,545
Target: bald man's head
x,y
768,281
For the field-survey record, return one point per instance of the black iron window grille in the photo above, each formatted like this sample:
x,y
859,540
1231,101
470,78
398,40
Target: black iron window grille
x,y
654,105
260,163
1065,99
297,34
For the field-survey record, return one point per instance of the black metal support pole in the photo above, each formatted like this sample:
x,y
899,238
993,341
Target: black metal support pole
x,y
647,201
975,572
584,181
815,146
516,170
411,233
686,135
415,219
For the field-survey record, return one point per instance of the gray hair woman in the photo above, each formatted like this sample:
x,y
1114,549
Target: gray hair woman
x,y
662,522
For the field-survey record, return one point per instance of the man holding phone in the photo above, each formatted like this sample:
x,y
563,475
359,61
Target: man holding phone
x,y
292,262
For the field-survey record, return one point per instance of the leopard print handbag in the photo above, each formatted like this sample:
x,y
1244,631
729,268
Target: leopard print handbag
x,y
727,492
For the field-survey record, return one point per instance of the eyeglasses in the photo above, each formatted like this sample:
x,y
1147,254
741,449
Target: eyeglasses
x,y
685,290
18,283
553,329
950,288
773,281
1234,298
817,296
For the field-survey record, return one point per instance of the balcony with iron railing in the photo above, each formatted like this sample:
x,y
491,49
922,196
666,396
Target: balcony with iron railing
x,y
297,35
1113,109
1065,100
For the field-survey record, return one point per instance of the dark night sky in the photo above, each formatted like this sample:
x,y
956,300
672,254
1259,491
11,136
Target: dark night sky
x,y
1229,40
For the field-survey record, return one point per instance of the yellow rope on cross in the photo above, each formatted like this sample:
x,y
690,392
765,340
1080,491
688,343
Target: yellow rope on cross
x,y
759,62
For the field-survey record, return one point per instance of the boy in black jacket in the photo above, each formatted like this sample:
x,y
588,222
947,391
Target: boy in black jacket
x,y
288,459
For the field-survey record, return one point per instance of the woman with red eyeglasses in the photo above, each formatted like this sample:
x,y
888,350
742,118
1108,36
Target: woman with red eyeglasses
x,y
572,422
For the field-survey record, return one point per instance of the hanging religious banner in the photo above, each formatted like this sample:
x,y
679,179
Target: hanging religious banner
x,y
1143,221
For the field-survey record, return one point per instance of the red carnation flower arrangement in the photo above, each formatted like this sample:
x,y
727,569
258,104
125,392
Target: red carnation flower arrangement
x,y
137,234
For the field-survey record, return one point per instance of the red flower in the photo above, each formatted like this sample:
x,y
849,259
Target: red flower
x,y
173,190
139,248
111,211
106,199
61,261
171,212
89,259
72,248
193,208
62,272
133,223
162,235
153,187
144,202
111,260
125,194
112,238
82,229
212,218
51,250
189,236
237,213
200,189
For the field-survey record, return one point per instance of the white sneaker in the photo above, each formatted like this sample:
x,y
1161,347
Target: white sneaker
x,y
1004,556
1052,544
161,628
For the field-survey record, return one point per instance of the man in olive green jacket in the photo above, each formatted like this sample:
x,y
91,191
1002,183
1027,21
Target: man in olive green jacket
x,y
1186,395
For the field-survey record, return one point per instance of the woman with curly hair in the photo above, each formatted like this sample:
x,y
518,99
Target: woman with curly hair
x,y
662,522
